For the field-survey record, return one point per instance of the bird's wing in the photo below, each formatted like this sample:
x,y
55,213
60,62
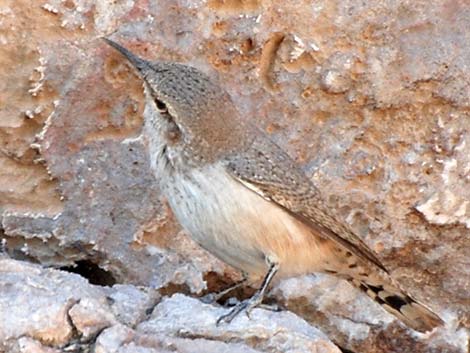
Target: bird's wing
x,y
268,171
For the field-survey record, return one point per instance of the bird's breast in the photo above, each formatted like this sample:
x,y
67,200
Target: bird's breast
x,y
239,226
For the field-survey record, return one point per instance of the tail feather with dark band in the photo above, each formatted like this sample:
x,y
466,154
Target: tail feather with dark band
x,y
398,303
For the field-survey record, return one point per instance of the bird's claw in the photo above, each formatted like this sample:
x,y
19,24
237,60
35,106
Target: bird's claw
x,y
246,305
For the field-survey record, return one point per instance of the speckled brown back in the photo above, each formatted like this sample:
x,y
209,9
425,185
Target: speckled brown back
x,y
265,168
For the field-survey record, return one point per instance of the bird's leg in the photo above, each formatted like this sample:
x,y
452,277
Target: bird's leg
x,y
214,297
256,300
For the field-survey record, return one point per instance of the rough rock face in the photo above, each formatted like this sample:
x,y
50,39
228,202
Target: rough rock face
x,y
371,99
41,308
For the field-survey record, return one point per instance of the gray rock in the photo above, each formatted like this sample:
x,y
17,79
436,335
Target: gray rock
x,y
265,331
130,304
55,307
370,98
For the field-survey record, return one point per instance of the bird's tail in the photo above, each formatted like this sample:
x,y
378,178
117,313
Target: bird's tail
x,y
383,289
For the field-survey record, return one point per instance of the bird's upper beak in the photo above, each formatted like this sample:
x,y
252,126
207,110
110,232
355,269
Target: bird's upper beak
x,y
140,64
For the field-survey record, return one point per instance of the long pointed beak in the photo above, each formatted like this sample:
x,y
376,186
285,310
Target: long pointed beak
x,y
140,64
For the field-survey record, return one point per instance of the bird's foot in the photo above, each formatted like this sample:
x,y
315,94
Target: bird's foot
x,y
256,300
246,305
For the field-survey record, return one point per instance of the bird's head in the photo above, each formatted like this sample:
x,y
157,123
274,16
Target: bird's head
x,y
192,114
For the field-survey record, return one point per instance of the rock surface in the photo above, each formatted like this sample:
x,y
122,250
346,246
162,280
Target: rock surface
x,y
371,99
44,310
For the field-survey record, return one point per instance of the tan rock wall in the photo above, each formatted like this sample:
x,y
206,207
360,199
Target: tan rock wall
x,y
370,98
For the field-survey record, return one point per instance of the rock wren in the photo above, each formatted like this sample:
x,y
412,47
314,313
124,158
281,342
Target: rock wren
x,y
244,200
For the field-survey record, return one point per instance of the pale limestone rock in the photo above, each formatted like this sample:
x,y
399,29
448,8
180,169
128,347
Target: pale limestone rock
x,y
335,76
370,98
265,331
90,316
113,338
130,304
51,306
28,345
32,305
118,339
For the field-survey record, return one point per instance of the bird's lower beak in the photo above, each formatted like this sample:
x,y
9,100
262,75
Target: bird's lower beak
x,y
138,63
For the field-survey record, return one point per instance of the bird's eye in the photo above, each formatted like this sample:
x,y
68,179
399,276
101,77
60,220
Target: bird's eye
x,y
161,106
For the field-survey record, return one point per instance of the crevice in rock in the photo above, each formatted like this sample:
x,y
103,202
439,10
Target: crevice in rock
x,y
16,248
74,344
344,350
172,288
3,241
76,347
216,283
48,253
92,272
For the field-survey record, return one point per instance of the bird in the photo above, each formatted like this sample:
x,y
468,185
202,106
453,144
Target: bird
x,y
243,198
